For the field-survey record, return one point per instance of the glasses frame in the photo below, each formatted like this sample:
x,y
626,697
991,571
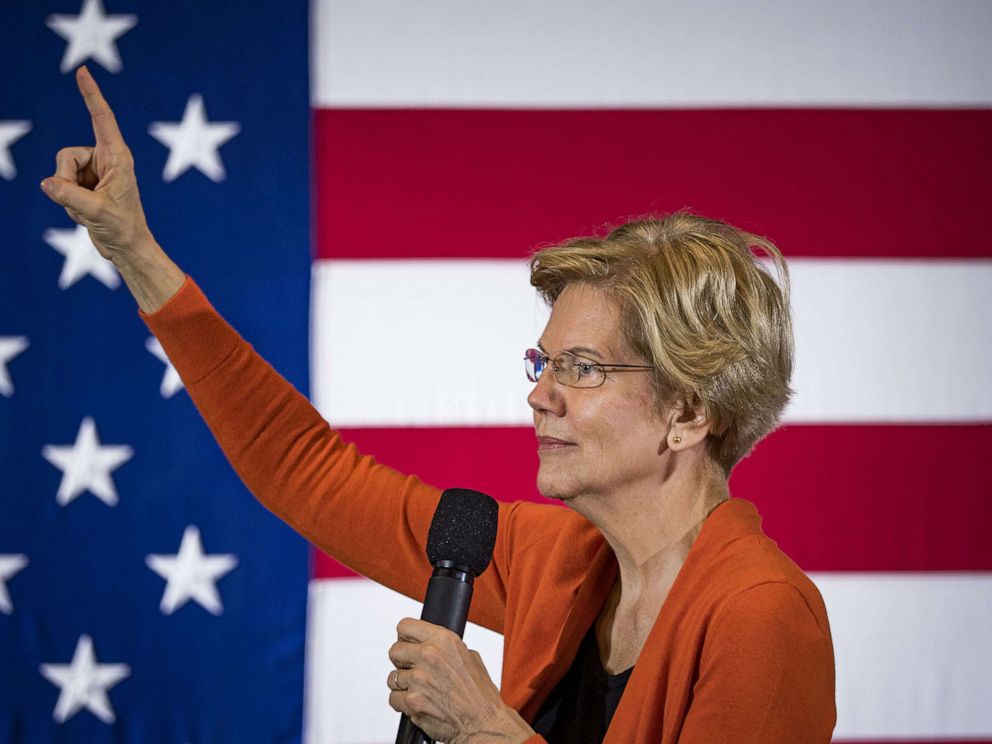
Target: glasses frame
x,y
531,356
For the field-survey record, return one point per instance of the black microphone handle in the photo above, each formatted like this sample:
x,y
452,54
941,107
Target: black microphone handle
x,y
449,593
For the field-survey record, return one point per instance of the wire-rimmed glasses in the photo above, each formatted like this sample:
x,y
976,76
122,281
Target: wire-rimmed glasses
x,y
571,370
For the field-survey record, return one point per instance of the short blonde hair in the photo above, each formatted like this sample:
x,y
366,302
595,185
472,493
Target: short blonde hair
x,y
698,304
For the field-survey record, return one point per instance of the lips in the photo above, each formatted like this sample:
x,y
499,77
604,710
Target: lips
x,y
549,444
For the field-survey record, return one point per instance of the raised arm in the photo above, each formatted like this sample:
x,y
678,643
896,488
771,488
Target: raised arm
x,y
367,515
98,189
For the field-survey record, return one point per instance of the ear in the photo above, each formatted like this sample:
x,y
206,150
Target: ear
x,y
688,423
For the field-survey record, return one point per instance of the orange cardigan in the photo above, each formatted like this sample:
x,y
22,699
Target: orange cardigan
x,y
740,652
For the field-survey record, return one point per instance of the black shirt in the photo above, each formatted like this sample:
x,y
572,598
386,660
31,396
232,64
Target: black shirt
x,y
580,708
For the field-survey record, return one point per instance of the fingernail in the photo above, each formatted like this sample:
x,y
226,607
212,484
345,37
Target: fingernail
x,y
46,185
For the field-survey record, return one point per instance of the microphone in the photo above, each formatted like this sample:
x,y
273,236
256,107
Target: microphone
x,y
460,546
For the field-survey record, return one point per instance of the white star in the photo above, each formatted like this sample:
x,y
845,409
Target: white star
x,y
10,347
191,574
9,565
91,35
87,465
10,132
81,257
84,683
171,382
193,142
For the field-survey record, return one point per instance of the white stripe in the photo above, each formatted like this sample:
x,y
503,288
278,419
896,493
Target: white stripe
x,y
646,53
892,341
422,342
913,656
351,625
912,661
440,343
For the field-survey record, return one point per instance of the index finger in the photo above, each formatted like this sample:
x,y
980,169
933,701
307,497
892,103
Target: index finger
x,y
104,124
411,630
418,631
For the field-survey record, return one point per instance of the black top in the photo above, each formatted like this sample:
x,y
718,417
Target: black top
x,y
580,708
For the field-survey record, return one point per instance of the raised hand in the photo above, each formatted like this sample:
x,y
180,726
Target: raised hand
x,y
98,189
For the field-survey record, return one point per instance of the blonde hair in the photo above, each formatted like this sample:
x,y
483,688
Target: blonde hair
x,y
699,305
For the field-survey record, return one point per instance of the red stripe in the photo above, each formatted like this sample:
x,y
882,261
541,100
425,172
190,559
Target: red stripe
x,y
835,498
481,183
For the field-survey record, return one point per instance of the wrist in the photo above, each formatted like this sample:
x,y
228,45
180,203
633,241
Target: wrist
x,y
149,274
506,727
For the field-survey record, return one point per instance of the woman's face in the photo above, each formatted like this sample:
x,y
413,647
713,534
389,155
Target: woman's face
x,y
594,441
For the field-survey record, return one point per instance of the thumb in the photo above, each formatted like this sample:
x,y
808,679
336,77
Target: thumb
x,y
70,195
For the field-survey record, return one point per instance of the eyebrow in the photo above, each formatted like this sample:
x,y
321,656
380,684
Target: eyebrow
x,y
576,350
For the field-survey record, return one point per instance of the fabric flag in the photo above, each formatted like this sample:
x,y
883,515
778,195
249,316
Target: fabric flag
x,y
144,595
451,138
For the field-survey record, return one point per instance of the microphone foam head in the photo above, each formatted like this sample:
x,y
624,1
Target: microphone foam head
x,y
463,529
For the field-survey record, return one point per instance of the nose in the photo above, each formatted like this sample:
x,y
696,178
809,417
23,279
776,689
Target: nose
x,y
546,397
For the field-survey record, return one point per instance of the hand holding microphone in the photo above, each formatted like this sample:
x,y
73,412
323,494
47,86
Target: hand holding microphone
x,y
439,684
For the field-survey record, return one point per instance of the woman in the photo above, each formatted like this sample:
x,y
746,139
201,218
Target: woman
x,y
654,609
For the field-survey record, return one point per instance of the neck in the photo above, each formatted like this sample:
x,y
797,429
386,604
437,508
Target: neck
x,y
652,527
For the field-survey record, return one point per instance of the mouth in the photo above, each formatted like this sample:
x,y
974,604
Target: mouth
x,y
552,444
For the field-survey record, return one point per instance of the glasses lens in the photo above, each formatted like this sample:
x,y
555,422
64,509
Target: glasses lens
x,y
576,372
533,364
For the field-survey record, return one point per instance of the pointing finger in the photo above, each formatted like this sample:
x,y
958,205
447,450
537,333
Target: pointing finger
x,y
104,124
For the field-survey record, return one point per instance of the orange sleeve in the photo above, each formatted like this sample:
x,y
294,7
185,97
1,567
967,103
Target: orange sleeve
x,y
766,673
370,517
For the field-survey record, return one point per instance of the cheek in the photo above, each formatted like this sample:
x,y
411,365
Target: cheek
x,y
633,438
629,421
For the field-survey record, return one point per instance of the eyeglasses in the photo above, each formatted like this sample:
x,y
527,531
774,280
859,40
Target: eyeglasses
x,y
570,370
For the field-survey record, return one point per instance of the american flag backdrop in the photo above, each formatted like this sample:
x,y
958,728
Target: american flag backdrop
x,y
144,596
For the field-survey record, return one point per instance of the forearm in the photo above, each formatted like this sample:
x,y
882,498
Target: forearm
x,y
289,457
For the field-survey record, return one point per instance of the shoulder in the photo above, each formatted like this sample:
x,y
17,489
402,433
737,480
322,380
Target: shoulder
x,y
761,599
773,608
742,570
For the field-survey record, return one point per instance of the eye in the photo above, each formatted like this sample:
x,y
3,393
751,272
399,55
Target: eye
x,y
585,368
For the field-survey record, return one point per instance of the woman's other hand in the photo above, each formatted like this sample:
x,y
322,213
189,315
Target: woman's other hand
x,y
444,688
98,189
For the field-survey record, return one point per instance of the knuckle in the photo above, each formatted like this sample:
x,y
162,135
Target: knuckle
x,y
100,213
430,653
416,702
449,641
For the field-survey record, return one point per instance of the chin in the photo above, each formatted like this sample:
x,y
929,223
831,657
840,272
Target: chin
x,y
552,487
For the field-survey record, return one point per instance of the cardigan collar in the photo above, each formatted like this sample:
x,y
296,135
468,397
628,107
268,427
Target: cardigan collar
x,y
731,520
